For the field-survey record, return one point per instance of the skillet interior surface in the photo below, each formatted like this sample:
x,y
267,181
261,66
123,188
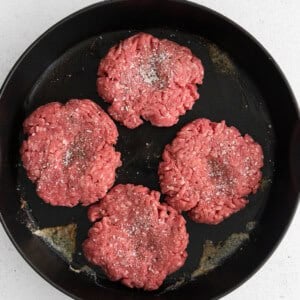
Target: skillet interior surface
x,y
242,85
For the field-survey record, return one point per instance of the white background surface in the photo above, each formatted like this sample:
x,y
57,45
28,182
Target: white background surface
x,y
275,23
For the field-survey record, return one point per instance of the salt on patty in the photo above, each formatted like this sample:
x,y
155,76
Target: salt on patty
x,y
144,77
136,239
209,169
69,152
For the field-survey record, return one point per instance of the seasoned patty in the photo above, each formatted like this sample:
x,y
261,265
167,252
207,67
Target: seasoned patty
x,y
136,240
209,169
144,77
69,152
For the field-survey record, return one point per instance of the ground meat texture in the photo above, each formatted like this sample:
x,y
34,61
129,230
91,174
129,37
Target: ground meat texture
x,y
138,240
144,77
209,169
69,152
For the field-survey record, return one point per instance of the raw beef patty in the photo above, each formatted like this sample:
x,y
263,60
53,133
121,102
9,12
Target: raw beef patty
x,y
209,169
69,152
138,240
144,77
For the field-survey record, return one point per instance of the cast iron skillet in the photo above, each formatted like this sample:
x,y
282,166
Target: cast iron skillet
x,y
242,85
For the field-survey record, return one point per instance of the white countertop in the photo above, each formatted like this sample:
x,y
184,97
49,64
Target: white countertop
x,y
275,23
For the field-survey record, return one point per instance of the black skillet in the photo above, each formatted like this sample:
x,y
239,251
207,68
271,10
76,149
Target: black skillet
x,y
242,85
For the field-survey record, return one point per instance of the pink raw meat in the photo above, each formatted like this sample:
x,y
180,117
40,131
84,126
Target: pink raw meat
x,y
69,152
144,77
138,240
209,169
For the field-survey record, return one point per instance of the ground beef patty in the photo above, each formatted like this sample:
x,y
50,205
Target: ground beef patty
x,y
208,170
70,152
138,240
149,78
